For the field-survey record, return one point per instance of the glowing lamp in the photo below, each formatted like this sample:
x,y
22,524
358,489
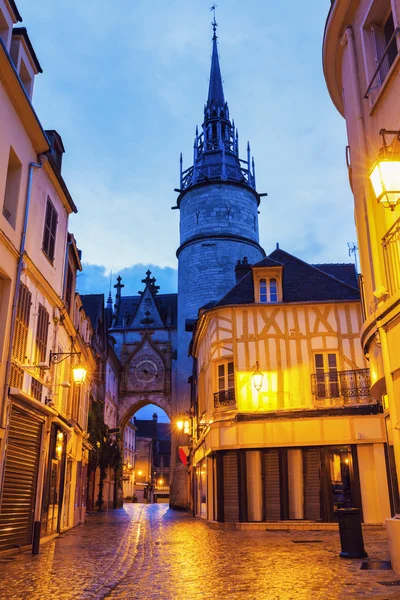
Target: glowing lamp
x,y
59,445
160,481
385,173
79,374
186,427
257,378
140,473
179,425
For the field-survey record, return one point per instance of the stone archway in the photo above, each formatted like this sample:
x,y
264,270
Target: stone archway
x,y
129,404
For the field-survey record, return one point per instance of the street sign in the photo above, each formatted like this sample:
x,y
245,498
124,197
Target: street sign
x,y
116,430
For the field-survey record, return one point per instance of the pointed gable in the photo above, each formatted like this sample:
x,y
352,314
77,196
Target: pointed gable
x,y
147,313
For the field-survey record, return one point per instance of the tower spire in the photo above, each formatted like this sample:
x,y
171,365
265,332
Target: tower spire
x,y
216,147
215,90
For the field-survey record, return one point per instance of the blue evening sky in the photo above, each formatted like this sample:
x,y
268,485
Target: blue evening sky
x,y
125,82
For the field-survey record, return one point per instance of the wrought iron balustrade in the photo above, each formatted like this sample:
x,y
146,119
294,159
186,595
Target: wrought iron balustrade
x,y
224,398
221,171
391,256
337,388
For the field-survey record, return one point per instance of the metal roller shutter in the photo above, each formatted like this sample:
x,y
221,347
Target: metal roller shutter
x,y
272,490
312,484
20,479
231,492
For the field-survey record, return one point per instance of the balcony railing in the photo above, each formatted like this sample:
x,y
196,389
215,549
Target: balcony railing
x,y
338,388
224,398
391,256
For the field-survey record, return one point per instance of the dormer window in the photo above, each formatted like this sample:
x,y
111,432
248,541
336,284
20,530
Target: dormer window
x,y
267,284
268,290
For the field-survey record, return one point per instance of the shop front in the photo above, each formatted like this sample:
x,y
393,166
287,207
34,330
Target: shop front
x,y
284,484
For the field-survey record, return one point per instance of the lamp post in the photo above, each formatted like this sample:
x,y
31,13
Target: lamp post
x,y
385,172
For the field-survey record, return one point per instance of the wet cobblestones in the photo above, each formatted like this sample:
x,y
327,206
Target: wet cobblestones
x,y
148,552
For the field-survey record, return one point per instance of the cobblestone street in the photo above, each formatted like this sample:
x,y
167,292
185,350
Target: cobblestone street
x,y
150,552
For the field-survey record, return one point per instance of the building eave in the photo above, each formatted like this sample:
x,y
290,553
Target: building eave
x,y
15,11
23,106
22,32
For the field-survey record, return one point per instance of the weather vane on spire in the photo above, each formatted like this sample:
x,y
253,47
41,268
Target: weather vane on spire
x,y
214,23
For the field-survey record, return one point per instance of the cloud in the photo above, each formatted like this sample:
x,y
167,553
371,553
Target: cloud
x,y
96,279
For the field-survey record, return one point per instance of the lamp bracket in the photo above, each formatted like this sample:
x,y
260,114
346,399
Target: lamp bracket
x,y
58,357
384,132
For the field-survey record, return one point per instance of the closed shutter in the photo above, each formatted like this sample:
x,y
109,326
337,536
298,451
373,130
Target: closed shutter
x,y
20,336
231,491
20,479
272,488
40,349
312,484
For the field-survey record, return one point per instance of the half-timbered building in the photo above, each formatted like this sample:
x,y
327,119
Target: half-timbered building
x,y
284,426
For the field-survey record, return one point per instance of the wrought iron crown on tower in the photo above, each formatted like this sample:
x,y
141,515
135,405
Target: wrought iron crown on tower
x,y
216,148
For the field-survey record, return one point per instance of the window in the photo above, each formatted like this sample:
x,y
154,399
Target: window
x,y
40,349
326,375
225,376
225,384
20,336
11,195
26,78
380,44
50,229
268,290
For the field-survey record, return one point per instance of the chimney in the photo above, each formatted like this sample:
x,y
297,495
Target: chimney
x,y
242,268
155,417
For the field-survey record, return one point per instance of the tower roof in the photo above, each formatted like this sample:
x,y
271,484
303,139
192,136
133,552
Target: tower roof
x,y
216,147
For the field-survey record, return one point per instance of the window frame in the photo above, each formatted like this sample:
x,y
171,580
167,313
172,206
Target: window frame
x,y
50,231
374,45
332,372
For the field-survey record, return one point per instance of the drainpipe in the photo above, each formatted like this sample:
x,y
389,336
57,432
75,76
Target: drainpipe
x,y
42,158
370,224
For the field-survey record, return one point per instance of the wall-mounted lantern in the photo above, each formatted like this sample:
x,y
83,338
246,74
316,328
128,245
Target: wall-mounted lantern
x,y
257,378
385,172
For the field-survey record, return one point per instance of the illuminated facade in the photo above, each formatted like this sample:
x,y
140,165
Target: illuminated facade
x,y
43,329
284,426
361,59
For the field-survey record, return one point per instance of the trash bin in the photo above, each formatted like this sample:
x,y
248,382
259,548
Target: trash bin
x,y
351,537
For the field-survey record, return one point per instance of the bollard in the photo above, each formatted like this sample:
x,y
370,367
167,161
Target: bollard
x,y
37,526
350,530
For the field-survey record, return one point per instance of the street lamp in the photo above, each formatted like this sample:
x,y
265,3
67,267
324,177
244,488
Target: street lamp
x,y
78,371
385,172
183,424
257,377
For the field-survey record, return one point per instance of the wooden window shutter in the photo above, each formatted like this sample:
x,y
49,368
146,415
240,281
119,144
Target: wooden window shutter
x,y
20,336
42,330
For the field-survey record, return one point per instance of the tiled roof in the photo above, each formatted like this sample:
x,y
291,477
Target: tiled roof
x,y
344,271
93,304
302,282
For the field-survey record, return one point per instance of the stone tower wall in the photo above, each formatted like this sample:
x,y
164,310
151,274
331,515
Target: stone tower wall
x,y
219,208
213,239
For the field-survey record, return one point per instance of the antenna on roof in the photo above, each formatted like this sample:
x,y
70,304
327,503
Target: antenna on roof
x,y
353,250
